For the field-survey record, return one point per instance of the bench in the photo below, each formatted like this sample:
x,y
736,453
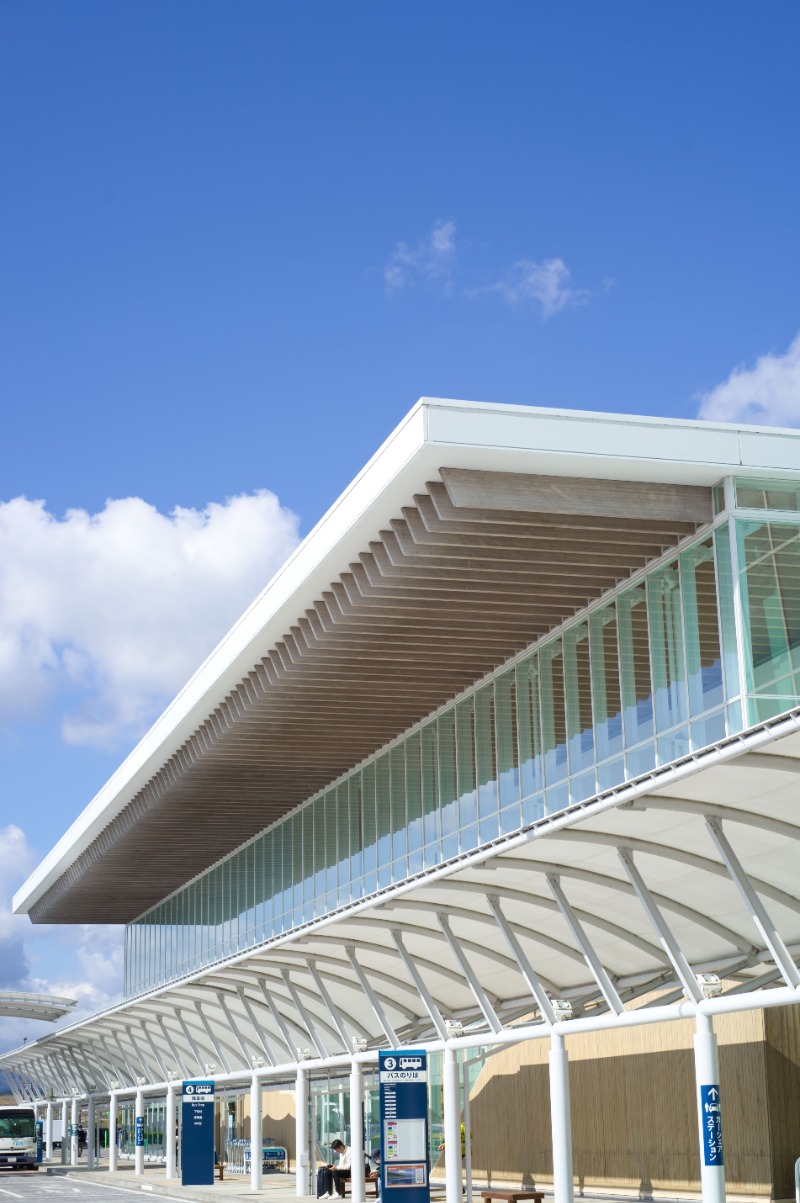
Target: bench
x,y
369,1180
219,1170
512,1196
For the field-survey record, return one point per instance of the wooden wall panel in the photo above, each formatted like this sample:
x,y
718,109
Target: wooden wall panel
x,y
782,1030
633,1110
277,1110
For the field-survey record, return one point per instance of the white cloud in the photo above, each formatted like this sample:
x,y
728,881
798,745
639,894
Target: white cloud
x,y
77,961
432,259
546,284
117,609
766,394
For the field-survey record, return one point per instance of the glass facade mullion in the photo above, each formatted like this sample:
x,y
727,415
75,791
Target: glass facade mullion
x,y
652,671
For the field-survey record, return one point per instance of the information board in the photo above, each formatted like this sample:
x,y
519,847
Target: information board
x,y
712,1125
39,1140
197,1134
403,1083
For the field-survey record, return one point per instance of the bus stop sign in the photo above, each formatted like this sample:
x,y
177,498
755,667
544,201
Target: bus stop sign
x,y
405,1162
197,1134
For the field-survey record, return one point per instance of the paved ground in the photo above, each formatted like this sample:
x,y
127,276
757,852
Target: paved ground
x,y
45,1188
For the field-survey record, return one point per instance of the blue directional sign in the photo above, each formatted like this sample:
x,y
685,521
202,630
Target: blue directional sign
x,y
403,1081
197,1134
39,1140
712,1125
139,1131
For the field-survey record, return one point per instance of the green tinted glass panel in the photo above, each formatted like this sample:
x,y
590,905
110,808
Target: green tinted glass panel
x,y
768,495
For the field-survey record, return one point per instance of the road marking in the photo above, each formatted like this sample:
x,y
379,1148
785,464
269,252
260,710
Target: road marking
x,y
12,1193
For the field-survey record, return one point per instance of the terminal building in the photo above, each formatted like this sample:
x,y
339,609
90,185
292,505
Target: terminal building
x,y
503,764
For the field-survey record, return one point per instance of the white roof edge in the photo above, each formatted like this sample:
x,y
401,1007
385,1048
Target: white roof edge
x,y
475,435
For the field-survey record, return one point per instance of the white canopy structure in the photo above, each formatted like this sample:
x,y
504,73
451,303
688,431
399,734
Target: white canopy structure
x,y
18,1005
644,576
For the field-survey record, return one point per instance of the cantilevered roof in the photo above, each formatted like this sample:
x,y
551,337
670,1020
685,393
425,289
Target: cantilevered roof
x,y
472,532
617,902
19,1005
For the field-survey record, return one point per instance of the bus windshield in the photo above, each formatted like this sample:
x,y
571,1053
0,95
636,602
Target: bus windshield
x,y
16,1124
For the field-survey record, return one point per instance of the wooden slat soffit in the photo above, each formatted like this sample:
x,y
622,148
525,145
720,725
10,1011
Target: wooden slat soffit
x,y
472,571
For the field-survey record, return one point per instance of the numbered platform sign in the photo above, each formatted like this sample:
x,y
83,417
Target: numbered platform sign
x,y
405,1163
197,1134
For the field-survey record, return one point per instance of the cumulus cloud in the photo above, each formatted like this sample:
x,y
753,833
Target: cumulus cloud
x,y
432,260
766,394
16,860
78,961
116,609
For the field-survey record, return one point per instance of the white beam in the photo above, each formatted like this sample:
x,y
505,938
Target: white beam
x,y
665,935
593,962
756,908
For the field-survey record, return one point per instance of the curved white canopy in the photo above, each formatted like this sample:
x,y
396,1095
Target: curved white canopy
x,y
618,902
14,1003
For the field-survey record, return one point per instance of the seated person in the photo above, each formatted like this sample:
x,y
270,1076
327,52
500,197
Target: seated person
x,y
341,1171
330,1178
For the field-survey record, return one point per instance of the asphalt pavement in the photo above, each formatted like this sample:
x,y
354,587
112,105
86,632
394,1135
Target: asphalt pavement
x,y
47,1188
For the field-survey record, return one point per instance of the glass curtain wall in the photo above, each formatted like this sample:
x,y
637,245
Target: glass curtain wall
x,y
154,1123
638,681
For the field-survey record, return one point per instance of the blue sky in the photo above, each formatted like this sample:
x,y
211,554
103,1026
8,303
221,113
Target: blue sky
x,y
238,240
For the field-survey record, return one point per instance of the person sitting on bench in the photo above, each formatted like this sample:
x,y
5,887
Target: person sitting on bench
x,y
330,1178
341,1171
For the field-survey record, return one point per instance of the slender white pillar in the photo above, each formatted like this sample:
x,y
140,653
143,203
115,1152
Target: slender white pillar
x,y
706,1069
301,1153
113,1121
451,1081
73,1133
357,1188
64,1133
560,1121
48,1132
138,1156
256,1143
91,1135
467,1133
170,1130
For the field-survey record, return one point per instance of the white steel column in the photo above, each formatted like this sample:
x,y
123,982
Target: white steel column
x,y
560,1120
357,1132
467,1133
48,1132
706,1069
169,1120
138,1154
301,1133
451,1081
113,1119
91,1135
256,1143
64,1133
73,1133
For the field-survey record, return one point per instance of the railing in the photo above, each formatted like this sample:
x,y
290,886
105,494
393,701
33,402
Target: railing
x,y
238,1156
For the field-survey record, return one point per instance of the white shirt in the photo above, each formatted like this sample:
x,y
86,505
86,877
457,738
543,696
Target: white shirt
x,y
344,1158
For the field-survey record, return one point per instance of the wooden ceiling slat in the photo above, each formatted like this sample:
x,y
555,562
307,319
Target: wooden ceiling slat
x,y
444,595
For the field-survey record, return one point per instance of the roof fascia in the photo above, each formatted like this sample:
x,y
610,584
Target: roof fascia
x,y
463,434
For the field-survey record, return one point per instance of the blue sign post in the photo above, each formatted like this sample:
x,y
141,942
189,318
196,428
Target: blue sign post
x,y
197,1134
139,1131
712,1125
39,1141
405,1162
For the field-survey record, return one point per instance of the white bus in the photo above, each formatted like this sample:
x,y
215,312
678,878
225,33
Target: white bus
x,y
17,1138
